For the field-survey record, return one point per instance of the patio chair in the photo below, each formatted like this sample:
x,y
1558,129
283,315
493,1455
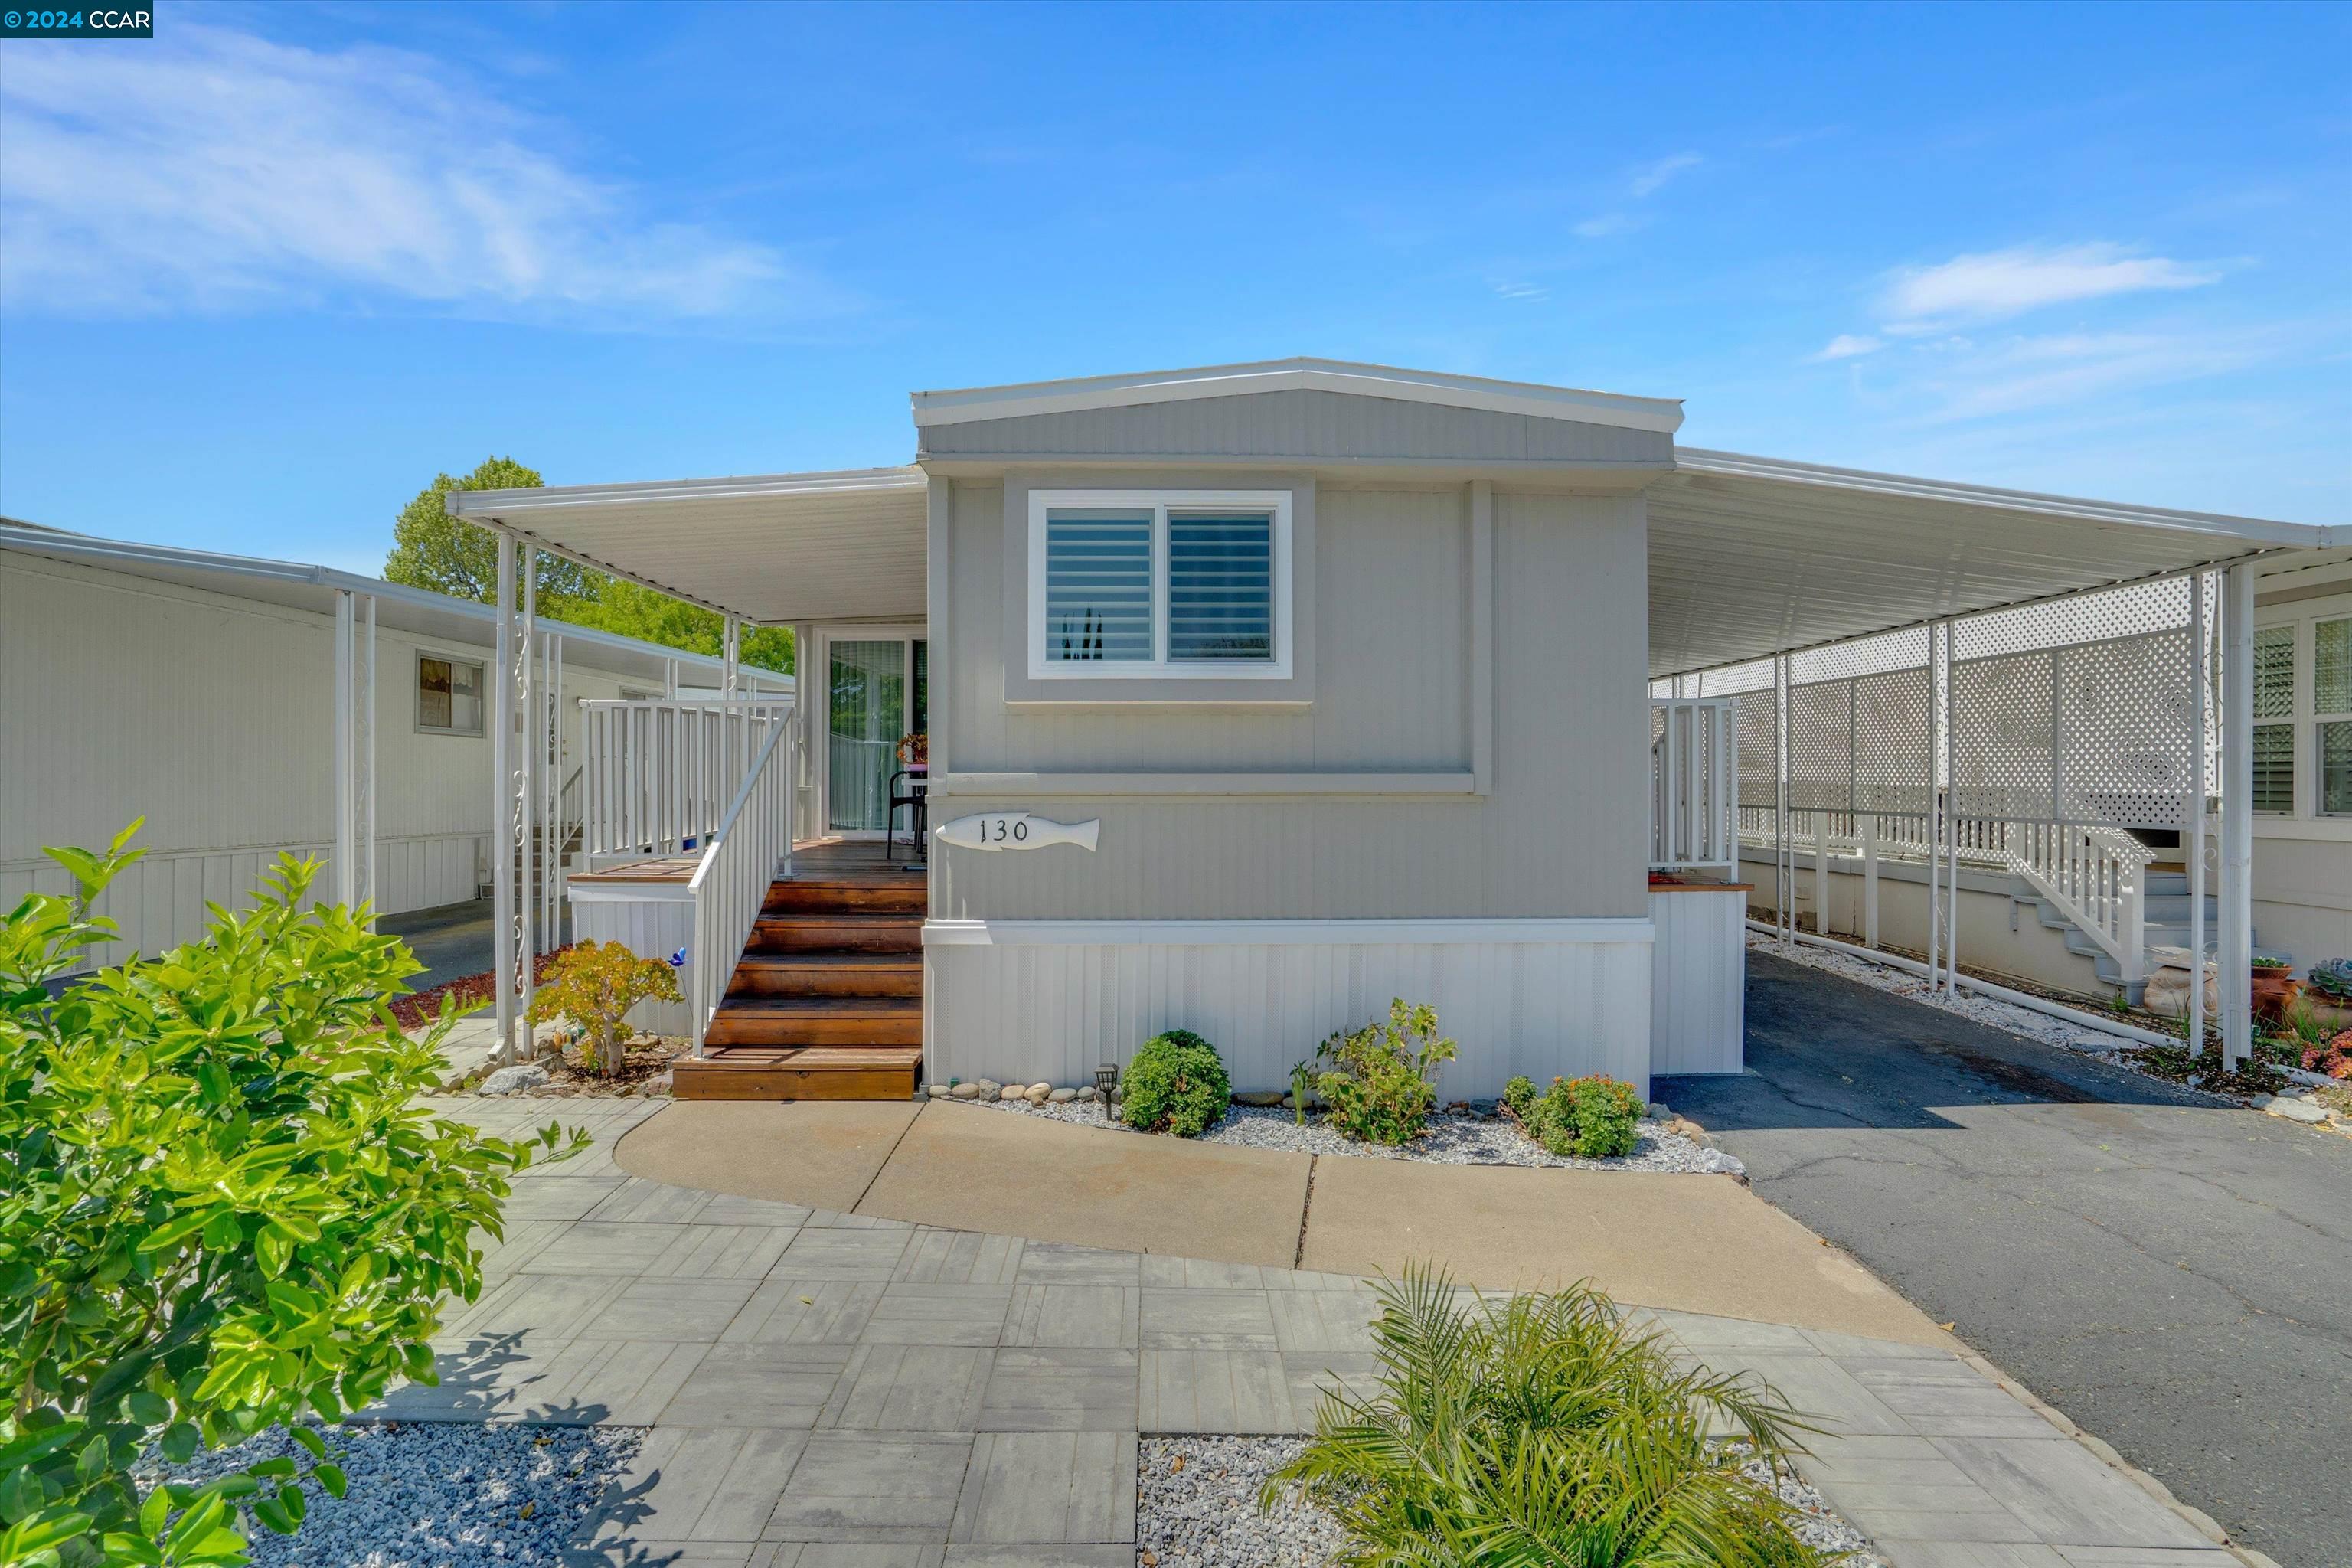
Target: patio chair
x,y
909,789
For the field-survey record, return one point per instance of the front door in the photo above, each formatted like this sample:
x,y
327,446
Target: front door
x,y
876,694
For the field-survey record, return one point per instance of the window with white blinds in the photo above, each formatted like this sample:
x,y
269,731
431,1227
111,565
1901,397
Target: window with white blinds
x,y
1190,584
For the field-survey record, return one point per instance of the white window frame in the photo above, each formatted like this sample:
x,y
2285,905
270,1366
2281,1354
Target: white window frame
x,y
1159,666
417,694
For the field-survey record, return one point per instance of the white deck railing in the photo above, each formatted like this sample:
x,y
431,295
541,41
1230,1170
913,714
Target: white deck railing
x,y
2095,876
747,849
1691,785
659,772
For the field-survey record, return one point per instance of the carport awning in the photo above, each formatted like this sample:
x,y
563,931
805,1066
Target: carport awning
x,y
769,550
1754,556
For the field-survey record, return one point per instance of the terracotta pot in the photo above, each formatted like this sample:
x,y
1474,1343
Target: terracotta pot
x,y
2273,989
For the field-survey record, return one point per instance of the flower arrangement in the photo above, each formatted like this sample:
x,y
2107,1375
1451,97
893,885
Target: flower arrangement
x,y
915,749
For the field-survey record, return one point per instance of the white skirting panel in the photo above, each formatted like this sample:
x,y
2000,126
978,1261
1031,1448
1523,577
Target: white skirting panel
x,y
159,903
1050,1000
652,920
1699,999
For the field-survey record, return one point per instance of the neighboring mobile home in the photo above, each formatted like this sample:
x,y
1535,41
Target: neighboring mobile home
x,y
1339,677
204,692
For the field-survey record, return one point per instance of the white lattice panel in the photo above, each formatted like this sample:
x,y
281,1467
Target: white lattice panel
x,y
1758,724
1891,767
2125,719
1820,746
2002,738
2132,611
1864,655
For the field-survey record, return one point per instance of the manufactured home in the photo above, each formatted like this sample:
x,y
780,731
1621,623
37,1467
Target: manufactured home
x,y
1252,696
246,708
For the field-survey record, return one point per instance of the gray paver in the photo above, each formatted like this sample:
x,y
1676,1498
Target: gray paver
x,y
1048,1488
821,1252
1325,1320
910,1388
873,1487
654,1308
939,1314
981,1556
797,1311
1218,1391
1061,1390
1209,1319
723,1252
1073,1317
1066,1263
781,1385
2067,1495
961,1257
595,1246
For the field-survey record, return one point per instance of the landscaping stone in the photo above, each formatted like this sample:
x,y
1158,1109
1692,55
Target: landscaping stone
x,y
1259,1096
1012,1091
1062,1096
515,1079
965,1091
1038,1094
2296,1109
988,1088
1088,1091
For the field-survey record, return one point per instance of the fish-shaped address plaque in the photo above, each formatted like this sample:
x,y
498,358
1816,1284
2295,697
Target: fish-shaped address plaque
x,y
1015,830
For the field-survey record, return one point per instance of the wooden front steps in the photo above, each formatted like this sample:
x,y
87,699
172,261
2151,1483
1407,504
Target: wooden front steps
x,y
826,1002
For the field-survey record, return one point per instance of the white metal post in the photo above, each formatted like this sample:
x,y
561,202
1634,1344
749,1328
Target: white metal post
x,y
2235,970
2192,822
526,789
1951,828
1936,635
1870,880
1821,873
1784,899
367,770
502,843
346,869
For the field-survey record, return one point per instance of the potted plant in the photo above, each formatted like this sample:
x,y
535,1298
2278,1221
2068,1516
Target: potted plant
x,y
2274,986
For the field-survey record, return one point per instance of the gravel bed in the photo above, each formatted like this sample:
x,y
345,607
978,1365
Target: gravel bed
x,y
1196,1502
1454,1138
440,1494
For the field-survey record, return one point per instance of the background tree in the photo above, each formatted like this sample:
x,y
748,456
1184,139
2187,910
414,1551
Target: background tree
x,y
430,549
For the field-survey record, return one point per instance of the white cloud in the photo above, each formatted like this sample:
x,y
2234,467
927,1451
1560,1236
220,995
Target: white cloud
x,y
1607,224
2072,370
1994,284
1510,289
217,171
1650,177
1847,345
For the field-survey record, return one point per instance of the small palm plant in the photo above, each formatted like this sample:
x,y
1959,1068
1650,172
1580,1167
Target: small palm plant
x,y
1544,1430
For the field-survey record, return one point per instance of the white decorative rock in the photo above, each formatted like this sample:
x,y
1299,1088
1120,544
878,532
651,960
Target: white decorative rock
x,y
1012,1091
965,1091
1063,1096
515,1079
1038,1094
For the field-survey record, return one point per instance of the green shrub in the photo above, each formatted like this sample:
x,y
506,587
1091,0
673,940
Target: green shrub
x,y
1177,1084
1592,1117
1544,1429
594,984
220,1213
1382,1083
1520,1094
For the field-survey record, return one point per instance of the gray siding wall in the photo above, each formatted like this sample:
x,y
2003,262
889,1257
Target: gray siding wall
x,y
1562,833
1323,426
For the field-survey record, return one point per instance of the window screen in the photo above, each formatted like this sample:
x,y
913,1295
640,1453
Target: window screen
x,y
1099,586
449,696
1220,587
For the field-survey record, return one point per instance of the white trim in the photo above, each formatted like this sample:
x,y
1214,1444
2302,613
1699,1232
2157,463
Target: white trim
x,y
1159,666
1698,461
963,405
479,506
1433,782
670,890
1588,930
906,634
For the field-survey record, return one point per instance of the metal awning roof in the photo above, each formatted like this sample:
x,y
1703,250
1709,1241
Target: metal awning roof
x,y
770,548
295,585
1754,556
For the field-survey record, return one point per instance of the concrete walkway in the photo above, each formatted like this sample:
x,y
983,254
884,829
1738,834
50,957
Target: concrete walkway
x,y
2172,1271
827,1387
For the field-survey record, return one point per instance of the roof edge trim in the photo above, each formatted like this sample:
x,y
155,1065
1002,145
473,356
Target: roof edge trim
x,y
963,405
475,505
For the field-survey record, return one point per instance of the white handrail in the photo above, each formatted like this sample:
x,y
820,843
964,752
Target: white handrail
x,y
2097,877
1692,780
750,847
659,771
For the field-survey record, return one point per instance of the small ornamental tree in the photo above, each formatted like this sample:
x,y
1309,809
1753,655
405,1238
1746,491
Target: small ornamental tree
x,y
221,1212
594,984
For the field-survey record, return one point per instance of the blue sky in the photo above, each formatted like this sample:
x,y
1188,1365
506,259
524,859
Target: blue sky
x,y
262,277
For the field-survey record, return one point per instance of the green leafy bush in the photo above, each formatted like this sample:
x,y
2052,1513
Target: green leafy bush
x,y
1177,1084
1382,1083
594,984
1544,1429
1594,1118
220,1213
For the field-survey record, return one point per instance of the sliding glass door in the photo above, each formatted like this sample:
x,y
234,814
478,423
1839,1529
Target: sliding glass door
x,y
876,697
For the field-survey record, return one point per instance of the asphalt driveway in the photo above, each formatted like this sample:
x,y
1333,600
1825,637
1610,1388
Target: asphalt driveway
x,y
2172,1272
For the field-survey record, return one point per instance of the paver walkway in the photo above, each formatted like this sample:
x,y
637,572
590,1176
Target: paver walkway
x,y
827,1389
